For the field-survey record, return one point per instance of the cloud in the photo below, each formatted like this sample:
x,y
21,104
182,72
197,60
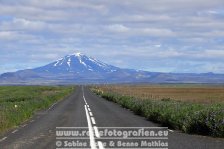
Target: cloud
x,y
21,24
118,28
14,36
155,34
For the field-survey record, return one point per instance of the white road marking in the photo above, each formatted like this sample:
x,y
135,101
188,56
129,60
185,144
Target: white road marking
x,y
91,135
84,96
90,113
91,132
24,125
170,130
96,132
15,131
84,99
93,120
3,139
100,144
52,106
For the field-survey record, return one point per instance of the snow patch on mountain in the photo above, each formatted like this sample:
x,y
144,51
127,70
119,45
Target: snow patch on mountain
x,y
78,54
69,62
58,61
101,64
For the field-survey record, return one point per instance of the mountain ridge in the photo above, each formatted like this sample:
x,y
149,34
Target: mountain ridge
x,y
79,68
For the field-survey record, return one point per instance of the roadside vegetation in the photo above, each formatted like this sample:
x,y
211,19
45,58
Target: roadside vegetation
x,y
165,105
19,103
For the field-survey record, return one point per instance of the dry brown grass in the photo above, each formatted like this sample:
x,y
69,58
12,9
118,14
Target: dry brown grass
x,y
190,93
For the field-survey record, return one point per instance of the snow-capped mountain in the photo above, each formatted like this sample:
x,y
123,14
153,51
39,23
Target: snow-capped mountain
x,y
77,63
74,68
79,68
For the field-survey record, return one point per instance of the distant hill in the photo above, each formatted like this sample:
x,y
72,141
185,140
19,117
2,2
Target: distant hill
x,y
79,68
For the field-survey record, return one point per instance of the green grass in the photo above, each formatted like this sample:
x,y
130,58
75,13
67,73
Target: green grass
x,y
19,103
194,118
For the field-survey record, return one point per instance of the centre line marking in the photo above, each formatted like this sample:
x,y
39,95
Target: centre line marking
x,y
84,99
90,113
84,96
93,120
91,135
100,144
91,128
96,131
89,109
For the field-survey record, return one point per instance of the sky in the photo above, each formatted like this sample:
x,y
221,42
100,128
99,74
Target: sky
x,y
181,36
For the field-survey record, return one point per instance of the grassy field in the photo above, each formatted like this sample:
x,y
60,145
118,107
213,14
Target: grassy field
x,y
193,109
179,92
19,103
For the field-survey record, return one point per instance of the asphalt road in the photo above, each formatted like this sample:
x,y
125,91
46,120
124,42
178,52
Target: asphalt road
x,y
86,111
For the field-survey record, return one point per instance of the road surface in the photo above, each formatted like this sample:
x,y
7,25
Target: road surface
x,y
84,109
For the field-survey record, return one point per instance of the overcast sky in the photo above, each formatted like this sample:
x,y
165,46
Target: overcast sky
x,y
154,35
